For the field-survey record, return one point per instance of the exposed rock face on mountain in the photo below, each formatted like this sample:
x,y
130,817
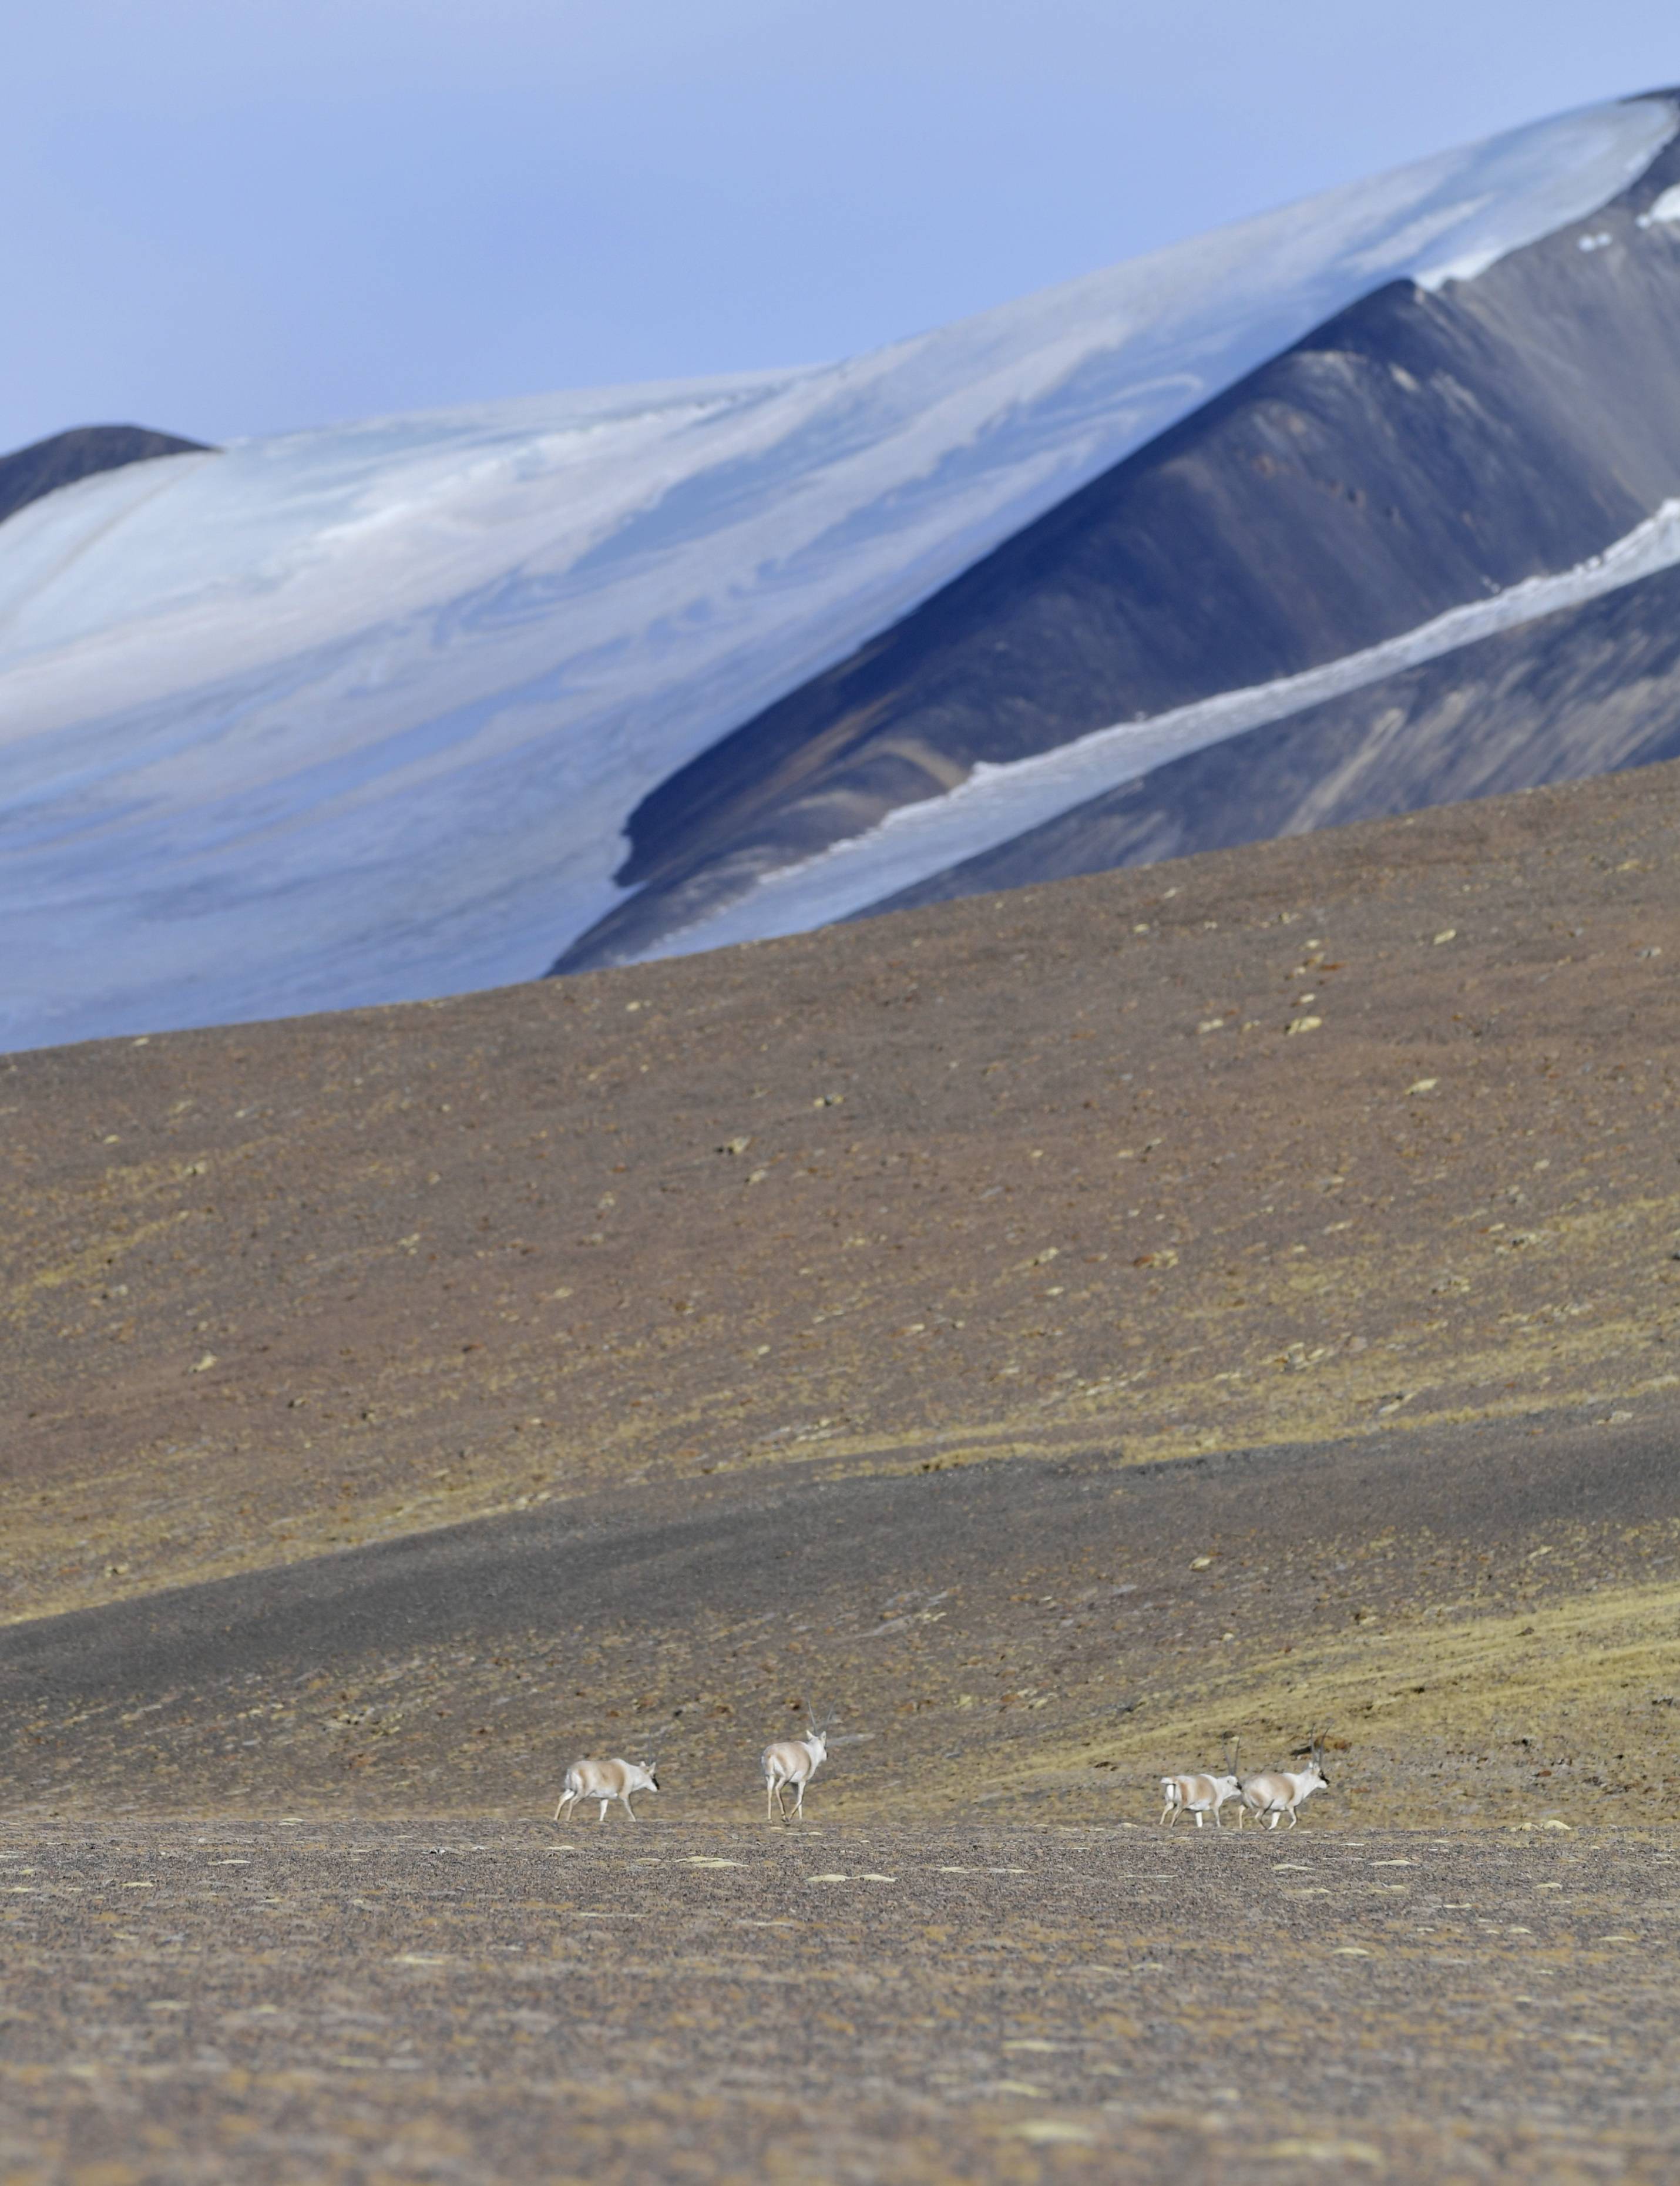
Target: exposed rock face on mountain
x,y
1419,452
1583,692
28,474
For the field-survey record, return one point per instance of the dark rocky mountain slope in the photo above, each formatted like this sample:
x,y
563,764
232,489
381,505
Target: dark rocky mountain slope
x,y
29,474
1420,450
1587,691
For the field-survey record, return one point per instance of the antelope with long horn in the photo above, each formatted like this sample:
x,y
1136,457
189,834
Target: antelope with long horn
x,y
1202,1796
1276,1792
793,1761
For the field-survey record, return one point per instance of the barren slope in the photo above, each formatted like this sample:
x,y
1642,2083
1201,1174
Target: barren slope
x,y
1039,1176
996,1321
1485,1615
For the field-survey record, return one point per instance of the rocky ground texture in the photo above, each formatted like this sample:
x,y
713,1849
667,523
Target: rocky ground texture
x,y
438,2000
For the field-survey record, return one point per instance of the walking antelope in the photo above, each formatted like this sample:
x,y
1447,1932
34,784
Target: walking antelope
x,y
1203,1794
793,1761
1276,1792
606,1780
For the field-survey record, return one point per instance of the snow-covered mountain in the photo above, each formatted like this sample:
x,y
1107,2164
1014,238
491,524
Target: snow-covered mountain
x,y
389,710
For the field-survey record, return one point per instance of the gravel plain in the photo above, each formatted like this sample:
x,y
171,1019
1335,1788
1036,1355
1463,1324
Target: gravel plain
x,y
302,2000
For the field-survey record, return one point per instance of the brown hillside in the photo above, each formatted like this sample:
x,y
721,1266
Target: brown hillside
x,y
994,1321
1235,1151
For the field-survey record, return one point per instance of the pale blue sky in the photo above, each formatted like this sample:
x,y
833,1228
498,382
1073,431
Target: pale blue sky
x,y
238,218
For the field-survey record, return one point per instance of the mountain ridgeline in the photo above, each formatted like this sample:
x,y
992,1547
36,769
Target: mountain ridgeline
x,y
1360,504
1422,450
31,473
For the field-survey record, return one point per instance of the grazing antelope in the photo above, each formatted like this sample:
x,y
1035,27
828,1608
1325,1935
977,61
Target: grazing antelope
x,y
793,1761
1203,1794
606,1781
1276,1792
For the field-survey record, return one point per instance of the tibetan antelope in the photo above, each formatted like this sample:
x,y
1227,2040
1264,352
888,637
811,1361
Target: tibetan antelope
x,y
1276,1792
606,1781
793,1761
1203,1794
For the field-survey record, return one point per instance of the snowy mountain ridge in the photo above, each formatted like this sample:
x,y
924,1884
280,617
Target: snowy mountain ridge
x,y
360,714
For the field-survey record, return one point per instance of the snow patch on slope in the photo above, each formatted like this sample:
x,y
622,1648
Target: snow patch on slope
x,y
1666,209
997,803
358,715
